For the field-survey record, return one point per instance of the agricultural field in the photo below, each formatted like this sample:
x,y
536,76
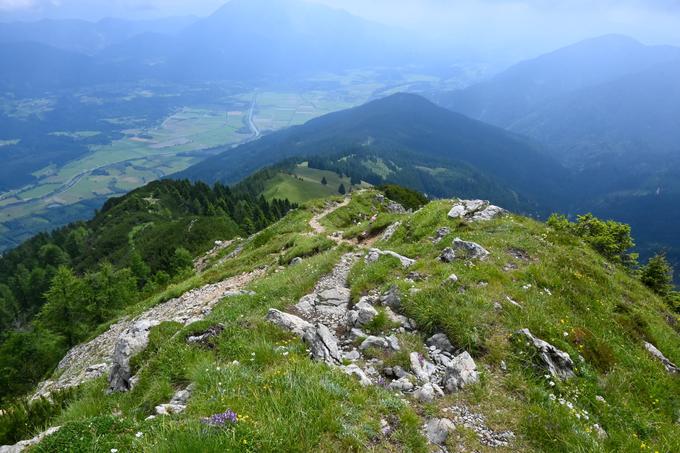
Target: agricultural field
x,y
115,139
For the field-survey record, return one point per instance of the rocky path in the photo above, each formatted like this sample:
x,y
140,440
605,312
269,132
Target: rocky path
x,y
97,357
315,222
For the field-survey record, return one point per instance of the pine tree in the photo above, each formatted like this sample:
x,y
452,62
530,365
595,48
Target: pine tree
x,y
342,189
324,181
657,274
64,311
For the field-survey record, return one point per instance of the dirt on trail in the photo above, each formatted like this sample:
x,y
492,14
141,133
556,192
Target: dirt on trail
x,y
315,222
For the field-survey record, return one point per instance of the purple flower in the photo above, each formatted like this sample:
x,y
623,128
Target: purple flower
x,y
225,418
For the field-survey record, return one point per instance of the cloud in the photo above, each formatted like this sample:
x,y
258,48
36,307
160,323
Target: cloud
x,y
13,5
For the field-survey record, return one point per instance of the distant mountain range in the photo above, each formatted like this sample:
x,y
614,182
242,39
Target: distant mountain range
x,y
243,40
87,37
608,109
433,149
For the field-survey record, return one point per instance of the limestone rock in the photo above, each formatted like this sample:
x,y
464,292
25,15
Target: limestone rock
x,y
295,261
392,298
131,342
462,371
475,210
448,255
289,322
24,444
441,342
395,208
428,392
374,342
177,404
365,312
352,355
670,366
557,362
389,231
403,321
354,370
402,384
469,250
437,430
323,344
452,279
203,338
440,234
422,368
355,334
375,254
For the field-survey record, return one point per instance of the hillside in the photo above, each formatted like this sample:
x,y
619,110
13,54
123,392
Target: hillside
x,y
421,139
133,247
348,326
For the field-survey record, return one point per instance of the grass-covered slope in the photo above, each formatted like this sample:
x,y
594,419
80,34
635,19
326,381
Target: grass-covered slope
x,y
565,293
423,137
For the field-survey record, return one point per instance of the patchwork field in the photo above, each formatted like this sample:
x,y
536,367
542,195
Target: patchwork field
x,y
150,131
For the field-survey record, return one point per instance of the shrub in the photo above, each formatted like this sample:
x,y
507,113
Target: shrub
x,y
609,238
657,274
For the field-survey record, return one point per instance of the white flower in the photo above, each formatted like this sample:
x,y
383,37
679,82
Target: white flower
x,y
552,397
552,384
569,405
566,334
139,434
114,450
285,353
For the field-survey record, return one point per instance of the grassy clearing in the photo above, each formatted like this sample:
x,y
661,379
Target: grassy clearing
x,y
568,294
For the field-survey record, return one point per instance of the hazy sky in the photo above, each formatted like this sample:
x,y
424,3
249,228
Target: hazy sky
x,y
520,26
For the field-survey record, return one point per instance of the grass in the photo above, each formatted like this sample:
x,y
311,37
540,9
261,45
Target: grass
x,y
304,184
569,296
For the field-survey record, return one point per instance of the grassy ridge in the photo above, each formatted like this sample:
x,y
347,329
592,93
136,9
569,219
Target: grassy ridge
x,y
569,296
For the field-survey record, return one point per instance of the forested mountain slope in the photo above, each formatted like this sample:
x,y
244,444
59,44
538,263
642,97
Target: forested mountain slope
x,y
419,137
56,287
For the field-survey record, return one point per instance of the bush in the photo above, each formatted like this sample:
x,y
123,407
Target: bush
x,y
410,199
609,238
657,274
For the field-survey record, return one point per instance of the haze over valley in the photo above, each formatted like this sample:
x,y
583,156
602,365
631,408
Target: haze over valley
x,y
339,225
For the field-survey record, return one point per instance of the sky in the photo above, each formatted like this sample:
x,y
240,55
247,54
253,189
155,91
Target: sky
x,y
514,26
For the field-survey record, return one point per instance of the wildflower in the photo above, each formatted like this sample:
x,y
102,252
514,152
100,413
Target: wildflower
x,y
222,419
551,383
566,334
114,450
139,434
552,397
